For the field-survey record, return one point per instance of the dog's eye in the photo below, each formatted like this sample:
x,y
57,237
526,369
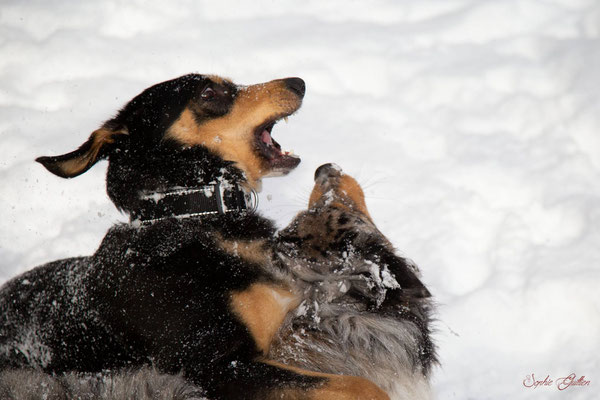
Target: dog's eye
x,y
207,94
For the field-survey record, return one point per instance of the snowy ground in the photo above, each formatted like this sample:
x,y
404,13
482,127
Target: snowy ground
x,y
474,126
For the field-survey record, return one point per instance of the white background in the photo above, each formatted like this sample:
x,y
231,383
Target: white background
x,y
473,126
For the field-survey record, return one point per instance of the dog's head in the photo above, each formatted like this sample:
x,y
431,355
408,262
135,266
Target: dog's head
x,y
186,132
336,219
337,233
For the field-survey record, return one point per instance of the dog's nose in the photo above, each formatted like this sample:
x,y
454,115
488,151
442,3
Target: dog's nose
x,y
296,85
328,170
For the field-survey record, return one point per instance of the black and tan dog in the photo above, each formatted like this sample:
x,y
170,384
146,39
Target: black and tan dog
x,y
362,309
182,287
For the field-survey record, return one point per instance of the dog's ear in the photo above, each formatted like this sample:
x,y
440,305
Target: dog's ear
x,y
77,162
403,272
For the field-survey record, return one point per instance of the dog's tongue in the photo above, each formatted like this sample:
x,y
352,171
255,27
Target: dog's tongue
x,y
266,137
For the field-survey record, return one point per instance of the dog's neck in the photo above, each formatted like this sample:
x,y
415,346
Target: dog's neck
x,y
163,170
184,202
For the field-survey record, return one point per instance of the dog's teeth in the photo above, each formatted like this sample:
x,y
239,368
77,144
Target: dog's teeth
x,y
285,119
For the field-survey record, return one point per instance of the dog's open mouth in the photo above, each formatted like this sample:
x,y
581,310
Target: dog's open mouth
x,y
278,159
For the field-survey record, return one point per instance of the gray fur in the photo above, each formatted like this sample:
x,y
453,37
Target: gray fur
x,y
144,384
383,350
333,334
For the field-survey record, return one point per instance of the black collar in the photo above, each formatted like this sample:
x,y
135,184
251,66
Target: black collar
x,y
215,198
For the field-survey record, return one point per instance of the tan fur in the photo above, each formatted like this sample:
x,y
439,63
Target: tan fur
x,y
253,251
352,194
338,387
315,196
232,135
347,194
262,307
100,138
342,387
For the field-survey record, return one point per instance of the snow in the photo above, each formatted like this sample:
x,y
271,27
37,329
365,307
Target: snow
x,y
471,124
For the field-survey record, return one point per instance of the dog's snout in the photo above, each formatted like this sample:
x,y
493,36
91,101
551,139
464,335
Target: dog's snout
x,y
327,170
296,85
